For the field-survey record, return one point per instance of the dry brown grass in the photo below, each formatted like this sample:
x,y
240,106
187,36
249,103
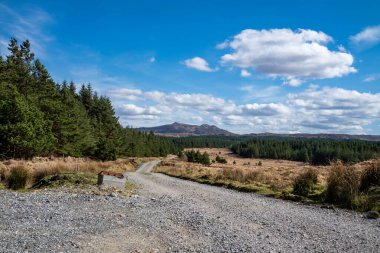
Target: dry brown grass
x,y
342,184
40,167
336,184
278,175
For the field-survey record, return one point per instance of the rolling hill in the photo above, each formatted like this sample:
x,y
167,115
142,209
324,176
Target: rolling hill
x,y
178,129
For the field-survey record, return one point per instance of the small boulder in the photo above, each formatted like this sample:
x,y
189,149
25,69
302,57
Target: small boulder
x,y
113,195
372,215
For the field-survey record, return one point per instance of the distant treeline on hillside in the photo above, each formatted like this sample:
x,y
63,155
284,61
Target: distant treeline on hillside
x,y
314,151
317,152
39,117
205,141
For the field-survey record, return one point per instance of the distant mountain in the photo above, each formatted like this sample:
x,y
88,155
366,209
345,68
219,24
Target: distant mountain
x,y
321,136
178,129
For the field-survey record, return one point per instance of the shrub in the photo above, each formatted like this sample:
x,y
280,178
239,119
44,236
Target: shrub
x,y
342,185
305,183
4,170
220,159
197,157
370,177
239,175
234,175
260,163
18,177
180,154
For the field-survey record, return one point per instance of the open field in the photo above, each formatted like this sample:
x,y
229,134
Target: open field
x,y
280,178
277,175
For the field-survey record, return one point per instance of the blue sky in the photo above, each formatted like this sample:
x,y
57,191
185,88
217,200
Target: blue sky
x,y
246,66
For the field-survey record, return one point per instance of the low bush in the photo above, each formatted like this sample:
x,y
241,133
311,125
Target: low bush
x,y
305,183
220,159
4,171
342,185
233,174
18,177
370,177
240,175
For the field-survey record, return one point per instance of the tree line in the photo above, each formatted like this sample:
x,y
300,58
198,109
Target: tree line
x,y
39,117
206,141
317,152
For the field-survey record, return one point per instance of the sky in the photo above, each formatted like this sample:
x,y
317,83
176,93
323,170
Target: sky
x,y
245,66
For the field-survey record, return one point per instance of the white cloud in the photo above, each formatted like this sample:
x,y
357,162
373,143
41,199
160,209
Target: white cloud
x,y
271,109
152,59
371,78
245,73
222,45
198,63
197,118
331,110
293,82
154,95
341,48
369,36
269,93
335,109
294,56
125,93
131,109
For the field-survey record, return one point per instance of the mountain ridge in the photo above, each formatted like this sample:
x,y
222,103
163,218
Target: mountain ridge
x,y
181,130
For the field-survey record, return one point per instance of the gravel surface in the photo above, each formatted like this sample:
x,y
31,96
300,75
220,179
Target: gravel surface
x,y
172,215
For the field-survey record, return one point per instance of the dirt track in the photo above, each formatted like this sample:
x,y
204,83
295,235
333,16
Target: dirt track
x,y
182,216
173,215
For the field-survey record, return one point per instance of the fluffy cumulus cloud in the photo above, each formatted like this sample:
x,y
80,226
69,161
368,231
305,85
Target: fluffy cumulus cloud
x,y
271,109
367,37
335,109
315,109
198,63
294,56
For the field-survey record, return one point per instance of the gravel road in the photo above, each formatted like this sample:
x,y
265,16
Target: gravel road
x,y
172,215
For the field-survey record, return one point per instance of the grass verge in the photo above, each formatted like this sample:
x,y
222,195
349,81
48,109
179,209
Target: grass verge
x,y
49,172
346,186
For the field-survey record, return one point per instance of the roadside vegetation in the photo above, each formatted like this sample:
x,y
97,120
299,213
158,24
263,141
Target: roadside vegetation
x,y
355,187
43,172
